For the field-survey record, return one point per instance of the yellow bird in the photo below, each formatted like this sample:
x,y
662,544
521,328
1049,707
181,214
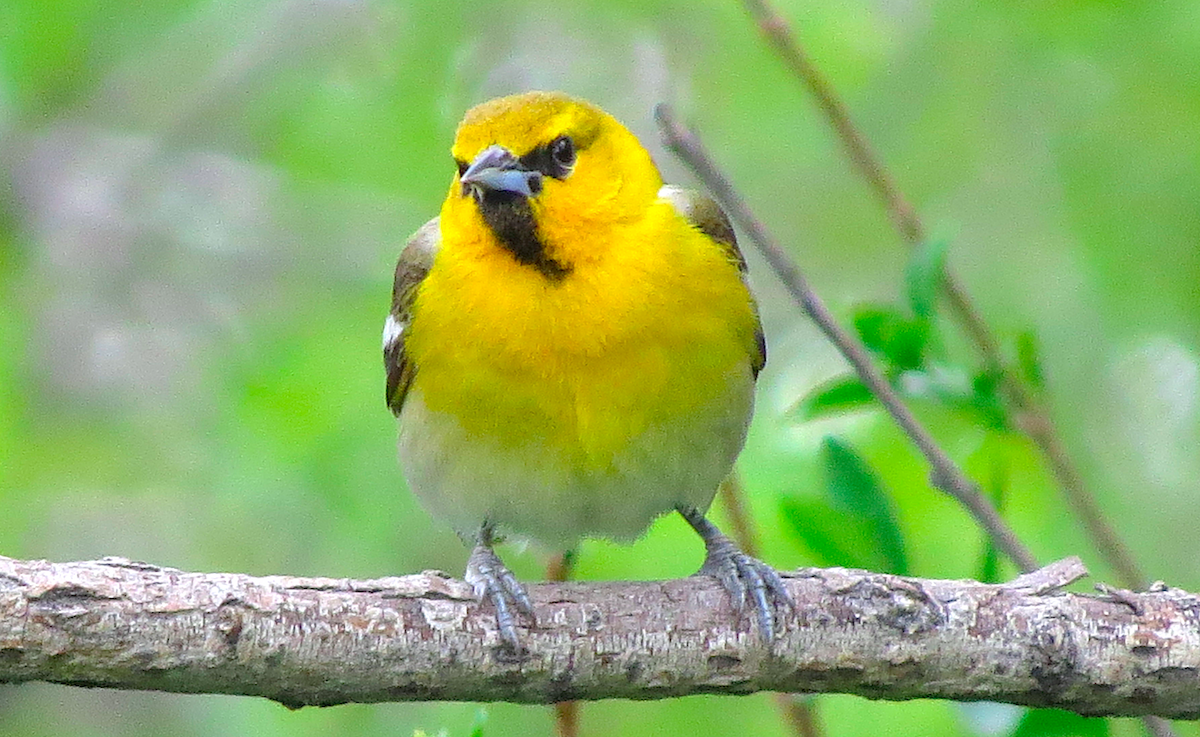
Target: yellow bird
x,y
572,348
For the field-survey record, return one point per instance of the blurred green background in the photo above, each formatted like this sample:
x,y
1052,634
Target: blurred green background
x,y
201,203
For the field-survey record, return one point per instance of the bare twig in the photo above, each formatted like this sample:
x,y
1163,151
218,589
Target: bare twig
x,y
944,473
309,641
1035,420
1040,428
801,714
741,526
779,35
1051,577
566,713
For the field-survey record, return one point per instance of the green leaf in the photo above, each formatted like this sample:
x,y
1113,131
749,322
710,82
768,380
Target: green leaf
x,y
923,276
1029,358
989,568
985,398
951,387
1058,723
838,395
900,340
908,345
874,323
833,537
481,718
854,488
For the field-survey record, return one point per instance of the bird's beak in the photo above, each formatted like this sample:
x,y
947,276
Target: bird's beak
x,y
495,169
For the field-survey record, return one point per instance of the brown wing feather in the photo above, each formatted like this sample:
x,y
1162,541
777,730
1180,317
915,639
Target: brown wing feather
x,y
707,216
415,261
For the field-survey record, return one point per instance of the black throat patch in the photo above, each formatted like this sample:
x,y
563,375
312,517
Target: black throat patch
x,y
511,218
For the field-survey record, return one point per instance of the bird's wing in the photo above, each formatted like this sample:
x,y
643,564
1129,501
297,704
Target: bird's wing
x,y
414,264
707,216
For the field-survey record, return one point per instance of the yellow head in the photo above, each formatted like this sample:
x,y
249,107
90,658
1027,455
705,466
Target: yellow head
x,y
539,170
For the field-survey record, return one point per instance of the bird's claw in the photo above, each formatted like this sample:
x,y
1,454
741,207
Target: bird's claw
x,y
493,582
743,576
746,577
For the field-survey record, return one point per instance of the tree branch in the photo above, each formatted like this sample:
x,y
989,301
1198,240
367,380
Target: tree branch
x,y
944,472
321,641
1034,418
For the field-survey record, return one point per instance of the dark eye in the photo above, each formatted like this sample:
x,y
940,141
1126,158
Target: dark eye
x,y
562,153
462,167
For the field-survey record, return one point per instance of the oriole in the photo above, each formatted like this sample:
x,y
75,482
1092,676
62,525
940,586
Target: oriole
x,y
572,348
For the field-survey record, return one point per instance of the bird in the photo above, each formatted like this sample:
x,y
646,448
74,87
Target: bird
x,y
572,349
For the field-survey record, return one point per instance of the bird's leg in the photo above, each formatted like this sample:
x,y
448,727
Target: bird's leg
x,y
495,583
742,575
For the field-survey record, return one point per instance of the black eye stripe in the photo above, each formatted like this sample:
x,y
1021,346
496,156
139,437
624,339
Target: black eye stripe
x,y
554,159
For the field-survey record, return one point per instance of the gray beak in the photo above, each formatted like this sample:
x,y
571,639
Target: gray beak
x,y
495,169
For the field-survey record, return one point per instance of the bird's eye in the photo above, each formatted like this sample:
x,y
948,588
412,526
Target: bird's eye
x,y
562,153
462,167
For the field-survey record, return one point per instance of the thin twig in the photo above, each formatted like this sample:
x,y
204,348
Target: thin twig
x,y
777,33
1039,427
566,713
944,473
1036,420
799,713
1050,578
741,526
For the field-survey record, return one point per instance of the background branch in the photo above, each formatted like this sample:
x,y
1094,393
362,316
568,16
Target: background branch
x,y
944,472
320,641
1033,418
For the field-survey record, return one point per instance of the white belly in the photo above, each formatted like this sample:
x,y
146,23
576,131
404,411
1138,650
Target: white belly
x,y
528,490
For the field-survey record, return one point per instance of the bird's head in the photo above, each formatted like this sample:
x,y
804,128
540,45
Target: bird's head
x,y
546,177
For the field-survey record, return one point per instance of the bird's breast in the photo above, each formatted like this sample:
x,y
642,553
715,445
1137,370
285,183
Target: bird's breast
x,y
581,367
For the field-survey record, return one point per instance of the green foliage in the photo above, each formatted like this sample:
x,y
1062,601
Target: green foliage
x,y
902,342
1029,359
1058,723
989,567
903,347
836,396
908,349
832,537
856,526
481,718
202,203
476,728
924,276
855,489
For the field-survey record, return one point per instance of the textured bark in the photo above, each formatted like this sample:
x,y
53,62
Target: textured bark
x,y
303,641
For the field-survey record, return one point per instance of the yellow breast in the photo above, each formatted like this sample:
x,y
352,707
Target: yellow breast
x,y
652,323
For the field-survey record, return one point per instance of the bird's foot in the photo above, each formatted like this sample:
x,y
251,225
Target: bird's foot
x,y
745,577
493,582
